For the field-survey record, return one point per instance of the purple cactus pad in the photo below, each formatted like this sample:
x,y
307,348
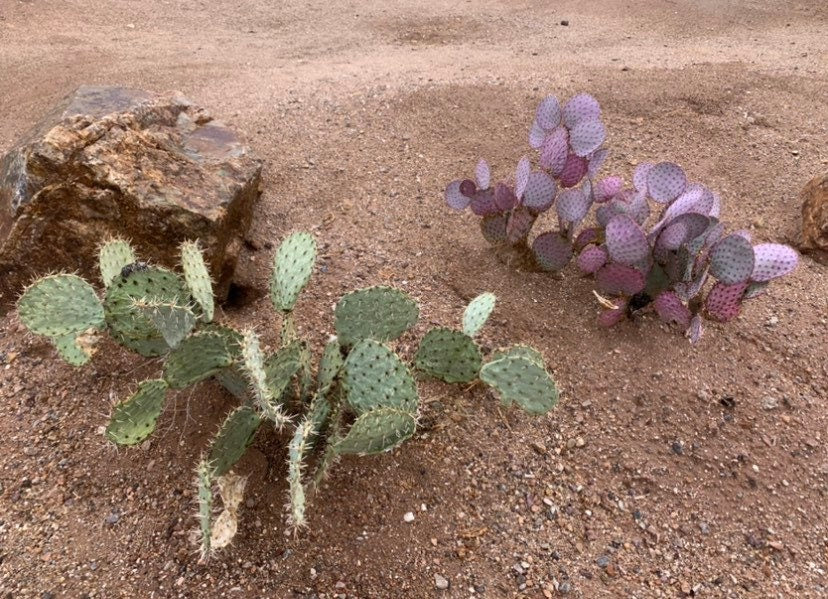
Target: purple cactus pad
x,y
483,203
504,198
540,192
665,182
554,151
552,251
455,198
670,308
607,188
617,279
586,237
494,228
695,330
596,161
586,137
626,242
519,225
610,318
732,259
482,174
640,175
536,135
548,115
572,205
582,107
573,171
724,302
591,259
773,260
524,167
468,188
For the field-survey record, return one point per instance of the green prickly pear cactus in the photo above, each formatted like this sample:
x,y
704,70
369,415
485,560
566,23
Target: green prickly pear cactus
x,y
134,420
361,398
378,313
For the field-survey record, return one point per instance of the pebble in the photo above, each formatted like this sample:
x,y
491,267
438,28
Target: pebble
x,y
603,561
565,587
409,517
770,402
565,23
441,582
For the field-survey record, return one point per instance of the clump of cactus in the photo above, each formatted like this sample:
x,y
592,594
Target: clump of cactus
x,y
638,262
361,398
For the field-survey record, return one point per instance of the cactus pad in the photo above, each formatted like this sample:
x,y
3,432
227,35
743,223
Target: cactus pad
x,y
483,203
670,308
773,260
134,420
519,351
197,278
482,174
554,151
755,289
477,313
524,168
376,431
58,305
607,188
130,327
572,205
587,136
519,224
573,171
591,259
374,376
681,230
281,367
297,448
75,349
536,135
455,197
724,302
732,260
596,161
234,437
548,115
113,256
585,237
618,279
540,192
610,318
198,357
581,107
292,269
174,322
626,242
522,381
504,198
665,182
329,366
449,355
640,175
494,228
380,313
552,251
204,486
695,330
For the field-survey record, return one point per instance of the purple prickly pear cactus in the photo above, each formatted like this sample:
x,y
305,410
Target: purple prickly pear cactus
x,y
656,245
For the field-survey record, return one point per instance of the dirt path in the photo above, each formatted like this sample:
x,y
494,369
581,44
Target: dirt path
x,y
701,471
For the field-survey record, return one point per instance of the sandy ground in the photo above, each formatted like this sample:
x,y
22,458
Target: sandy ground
x,y
700,472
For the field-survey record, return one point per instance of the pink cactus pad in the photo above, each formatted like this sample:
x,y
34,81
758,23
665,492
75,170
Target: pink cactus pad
x,y
773,260
591,259
554,150
482,174
573,171
665,182
587,136
617,279
468,187
724,302
455,198
552,251
670,308
586,237
582,107
626,242
483,203
572,205
610,318
607,188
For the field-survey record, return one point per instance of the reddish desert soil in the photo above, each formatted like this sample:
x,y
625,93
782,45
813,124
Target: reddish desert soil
x,y
665,471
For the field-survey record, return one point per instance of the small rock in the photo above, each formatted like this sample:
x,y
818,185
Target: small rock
x,y
579,442
603,561
565,23
678,447
441,582
112,518
770,402
409,517
565,587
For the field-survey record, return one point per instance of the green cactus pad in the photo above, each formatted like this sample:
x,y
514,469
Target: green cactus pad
x,y
204,483
197,278
292,268
521,351
113,256
449,355
329,366
58,305
379,313
198,357
523,381
73,348
234,437
281,367
374,376
234,381
174,322
130,327
376,431
134,420
477,313
254,368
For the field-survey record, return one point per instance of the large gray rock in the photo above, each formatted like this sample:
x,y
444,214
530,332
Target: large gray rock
x,y
155,169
